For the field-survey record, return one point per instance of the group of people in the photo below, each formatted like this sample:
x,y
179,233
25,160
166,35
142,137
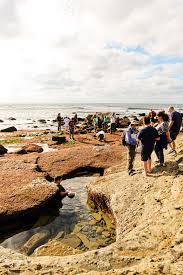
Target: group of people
x,y
103,122
67,123
159,131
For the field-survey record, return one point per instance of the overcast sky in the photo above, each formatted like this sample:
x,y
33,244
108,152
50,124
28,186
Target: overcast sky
x,y
91,51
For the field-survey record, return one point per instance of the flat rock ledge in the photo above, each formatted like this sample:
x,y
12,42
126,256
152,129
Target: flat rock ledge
x,y
148,216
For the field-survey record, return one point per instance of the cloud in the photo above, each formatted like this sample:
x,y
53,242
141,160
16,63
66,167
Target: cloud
x,y
107,50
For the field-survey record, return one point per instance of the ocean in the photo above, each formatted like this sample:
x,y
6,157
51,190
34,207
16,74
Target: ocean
x,y
27,115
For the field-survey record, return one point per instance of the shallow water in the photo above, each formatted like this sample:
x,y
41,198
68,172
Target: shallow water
x,y
74,213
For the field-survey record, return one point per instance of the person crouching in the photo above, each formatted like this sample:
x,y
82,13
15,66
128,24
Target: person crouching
x,y
131,142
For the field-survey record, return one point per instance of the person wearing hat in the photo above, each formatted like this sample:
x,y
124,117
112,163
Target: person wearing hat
x,y
131,142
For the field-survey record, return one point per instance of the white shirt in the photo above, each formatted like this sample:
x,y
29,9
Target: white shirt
x,y
66,122
113,119
100,133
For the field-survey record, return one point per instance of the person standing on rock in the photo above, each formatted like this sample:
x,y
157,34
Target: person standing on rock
x,y
66,123
95,121
174,128
131,143
59,120
147,136
164,135
71,128
113,123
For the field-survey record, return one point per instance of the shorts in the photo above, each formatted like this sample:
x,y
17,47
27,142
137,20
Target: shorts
x,y
71,131
173,135
146,153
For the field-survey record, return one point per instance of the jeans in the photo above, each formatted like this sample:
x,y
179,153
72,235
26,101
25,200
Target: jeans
x,y
160,155
131,156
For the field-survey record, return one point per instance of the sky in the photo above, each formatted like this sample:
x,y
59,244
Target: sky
x,y
56,51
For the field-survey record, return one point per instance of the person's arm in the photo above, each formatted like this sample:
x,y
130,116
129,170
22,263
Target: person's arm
x,y
157,137
171,121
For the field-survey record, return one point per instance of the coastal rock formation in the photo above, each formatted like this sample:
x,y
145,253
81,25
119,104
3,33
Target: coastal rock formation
x,y
11,118
147,213
9,129
68,162
30,148
3,150
42,121
59,140
23,190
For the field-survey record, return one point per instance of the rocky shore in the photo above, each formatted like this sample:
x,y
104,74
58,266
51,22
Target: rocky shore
x,y
146,212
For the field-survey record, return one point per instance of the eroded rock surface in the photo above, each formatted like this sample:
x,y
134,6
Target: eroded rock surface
x,y
147,213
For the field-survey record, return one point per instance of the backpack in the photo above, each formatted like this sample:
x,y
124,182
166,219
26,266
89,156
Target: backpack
x,y
123,140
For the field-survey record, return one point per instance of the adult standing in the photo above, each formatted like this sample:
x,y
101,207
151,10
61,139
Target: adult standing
x,y
148,136
174,127
66,123
59,120
113,123
131,142
164,135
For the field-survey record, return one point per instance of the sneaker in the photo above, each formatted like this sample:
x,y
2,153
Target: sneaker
x,y
131,173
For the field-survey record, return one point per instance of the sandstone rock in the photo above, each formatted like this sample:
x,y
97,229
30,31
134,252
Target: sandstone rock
x,y
24,196
55,248
72,240
42,121
35,241
60,235
106,234
60,140
21,152
70,161
9,129
97,216
89,244
30,148
3,150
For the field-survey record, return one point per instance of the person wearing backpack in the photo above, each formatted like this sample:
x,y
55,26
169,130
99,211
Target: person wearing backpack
x,y
131,143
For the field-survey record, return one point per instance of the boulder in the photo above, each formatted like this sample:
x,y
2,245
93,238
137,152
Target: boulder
x,y
30,148
3,150
59,140
35,241
21,152
123,122
42,121
11,118
55,248
142,114
9,129
82,132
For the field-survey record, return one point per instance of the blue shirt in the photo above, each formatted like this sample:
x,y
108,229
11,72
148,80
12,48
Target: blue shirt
x,y
131,136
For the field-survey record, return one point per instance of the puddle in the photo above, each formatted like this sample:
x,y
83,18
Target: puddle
x,y
15,147
74,221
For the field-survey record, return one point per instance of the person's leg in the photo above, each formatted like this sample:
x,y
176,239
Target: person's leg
x,y
145,164
161,156
131,157
149,165
130,165
157,154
